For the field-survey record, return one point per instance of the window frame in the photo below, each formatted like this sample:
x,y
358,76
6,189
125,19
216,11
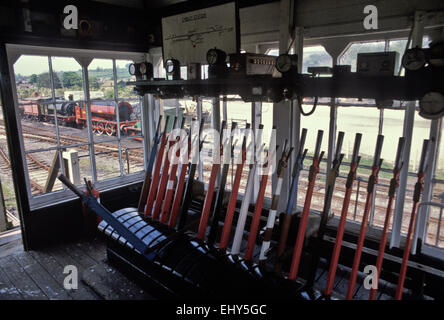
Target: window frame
x,y
353,224
14,52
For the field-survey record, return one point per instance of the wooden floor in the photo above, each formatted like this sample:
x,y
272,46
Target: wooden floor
x,y
39,274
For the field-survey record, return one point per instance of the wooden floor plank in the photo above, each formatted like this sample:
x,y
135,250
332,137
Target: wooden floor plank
x,y
74,250
7,289
61,256
20,279
12,247
41,277
95,248
110,284
52,266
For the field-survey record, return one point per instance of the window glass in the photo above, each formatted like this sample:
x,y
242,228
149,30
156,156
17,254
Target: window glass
x,y
32,77
273,52
351,53
130,116
7,186
350,56
69,96
367,125
55,126
267,121
316,56
439,174
240,112
421,131
319,120
103,105
101,81
108,160
399,47
435,226
36,110
33,83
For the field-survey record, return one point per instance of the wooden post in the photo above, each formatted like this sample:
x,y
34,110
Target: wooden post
x,y
71,161
53,172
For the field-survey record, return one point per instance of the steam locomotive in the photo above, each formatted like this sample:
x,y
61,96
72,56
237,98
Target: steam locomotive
x,y
72,114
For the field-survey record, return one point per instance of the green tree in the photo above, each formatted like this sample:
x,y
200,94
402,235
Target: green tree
x,y
94,83
33,78
71,79
44,81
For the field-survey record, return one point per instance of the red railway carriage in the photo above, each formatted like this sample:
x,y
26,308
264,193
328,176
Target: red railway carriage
x,y
104,118
32,109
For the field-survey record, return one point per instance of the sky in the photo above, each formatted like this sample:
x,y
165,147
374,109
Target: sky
x,y
27,65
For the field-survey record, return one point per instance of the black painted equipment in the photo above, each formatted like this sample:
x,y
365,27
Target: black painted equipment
x,y
176,264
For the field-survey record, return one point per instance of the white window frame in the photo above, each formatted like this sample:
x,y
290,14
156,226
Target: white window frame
x,y
14,51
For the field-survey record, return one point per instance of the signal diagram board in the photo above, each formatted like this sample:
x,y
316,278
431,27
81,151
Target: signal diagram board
x,y
188,36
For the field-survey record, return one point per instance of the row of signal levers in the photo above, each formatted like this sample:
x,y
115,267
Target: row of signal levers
x,y
167,195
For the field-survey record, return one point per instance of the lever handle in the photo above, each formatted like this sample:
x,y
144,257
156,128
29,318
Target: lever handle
x,y
378,149
158,125
424,155
339,144
356,147
71,186
318,143
400,153
302,141
167,119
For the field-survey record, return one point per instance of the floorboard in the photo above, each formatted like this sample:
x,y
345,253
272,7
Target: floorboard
x,y
20,279
7,289
96,249
78,254
110,284
45,281
39,274
53,267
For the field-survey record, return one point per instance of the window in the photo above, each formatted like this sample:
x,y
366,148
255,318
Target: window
x,y
6,182
399,47
240,112
100,138
273,52
316,56
319,120
435,228
267,121
351,53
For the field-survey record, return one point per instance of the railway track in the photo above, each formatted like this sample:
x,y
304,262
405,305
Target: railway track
x,y
38,169
35,186
29,132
